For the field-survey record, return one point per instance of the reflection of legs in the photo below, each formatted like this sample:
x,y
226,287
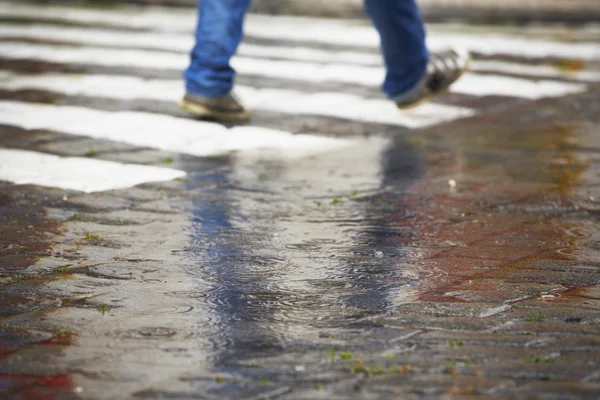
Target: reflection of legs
x,y
218,35
402,42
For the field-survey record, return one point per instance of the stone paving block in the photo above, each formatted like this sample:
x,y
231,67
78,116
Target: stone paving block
x,y
559,390
501,290
475,310
505,254
33,196
554,314
84,147
458,324
588,292
119,217
564,300
105,219
168,206
457,340
550,328
173,187
580,344
12,136
97,202
144,157
563,265
570,278
137,194
397,385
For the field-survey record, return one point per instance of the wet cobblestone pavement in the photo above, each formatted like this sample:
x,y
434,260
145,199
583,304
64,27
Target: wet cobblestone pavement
x,y
421,258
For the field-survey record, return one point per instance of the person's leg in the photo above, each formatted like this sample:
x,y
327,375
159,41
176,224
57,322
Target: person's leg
x,y
403,46
413,75
218,34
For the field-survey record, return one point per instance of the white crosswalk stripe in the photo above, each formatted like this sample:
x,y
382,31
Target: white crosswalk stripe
x,y
182,43
177,42
76,173
157,131
281,69
130,87
165,47
315,30
340,105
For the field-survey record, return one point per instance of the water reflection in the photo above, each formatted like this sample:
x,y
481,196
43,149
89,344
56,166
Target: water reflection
x,y
483,239
300,249
293,246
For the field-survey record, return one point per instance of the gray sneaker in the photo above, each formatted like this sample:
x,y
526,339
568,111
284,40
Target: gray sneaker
x,y
443,70
225,108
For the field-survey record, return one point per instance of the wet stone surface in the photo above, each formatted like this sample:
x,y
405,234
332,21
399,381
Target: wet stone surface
x,y
459,260
456,261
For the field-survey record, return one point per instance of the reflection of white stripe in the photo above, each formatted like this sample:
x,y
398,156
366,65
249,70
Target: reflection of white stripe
x,y
280,100
157,131
335,32
283,69
74,173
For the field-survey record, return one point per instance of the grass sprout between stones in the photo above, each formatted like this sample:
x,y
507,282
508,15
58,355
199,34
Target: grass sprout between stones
x,y
62,270
75,217
91,236
91,152
456,343
359,366
535,318
104,308
63,330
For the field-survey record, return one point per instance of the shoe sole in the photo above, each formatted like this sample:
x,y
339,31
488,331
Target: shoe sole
x,y
437,94
200,111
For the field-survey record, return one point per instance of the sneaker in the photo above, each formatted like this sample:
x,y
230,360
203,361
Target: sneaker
x,y
225,108
442,71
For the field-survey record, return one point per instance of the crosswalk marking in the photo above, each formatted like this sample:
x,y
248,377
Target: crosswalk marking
x,y
76,173
140,18
366,36
165,47
177,42
314,30
282,69
340,105
183,43
163,132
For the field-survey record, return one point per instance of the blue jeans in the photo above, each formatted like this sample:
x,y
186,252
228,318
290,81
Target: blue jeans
x,y
220,30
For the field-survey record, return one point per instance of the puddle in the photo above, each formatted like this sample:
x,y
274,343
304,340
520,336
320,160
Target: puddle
x,y
298,250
